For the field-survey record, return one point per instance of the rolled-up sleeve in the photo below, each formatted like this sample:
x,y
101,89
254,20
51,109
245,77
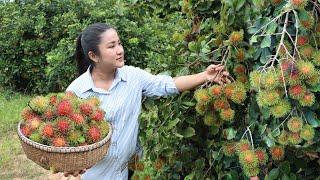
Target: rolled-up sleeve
x,y
157,85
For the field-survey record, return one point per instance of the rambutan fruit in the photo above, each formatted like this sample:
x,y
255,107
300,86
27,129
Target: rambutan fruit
x,y
218,122
26,131
283,139
285,49
64,108
294,138
74,137
53,100
201,108
93,101
298,4
308,99
240,55
295,124
307,132
215,91
59,142
158,164
104,127
261,155
249,172
280,109
316,58
36,137
297,91
209,119
302,40
270,79
77,118
276,2
306,19
227,114
34,123
287,65
48,114
139,166
202,96
294,77
39,104
242,78
229,148
63,126
236,37
239,94
239,69
221,103
86,109
277,153
94,134
98,115
268,98
47,131
27,114
255,80
243,145
314,80
306,69
228,90
248,159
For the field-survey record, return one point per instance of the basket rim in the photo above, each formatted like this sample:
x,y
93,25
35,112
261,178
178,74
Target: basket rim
x,y
47,148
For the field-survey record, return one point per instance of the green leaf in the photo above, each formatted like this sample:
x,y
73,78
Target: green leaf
x,y
315,88
192,46
231,133
275,132
262,128
270,142
189,132
189,103
178,135
253,39
239,4
285,177
272,28
312,119
285,167
265,55
273,174
172,123
266,42
215,154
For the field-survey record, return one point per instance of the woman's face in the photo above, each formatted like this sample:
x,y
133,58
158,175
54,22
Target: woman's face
x,y
111,50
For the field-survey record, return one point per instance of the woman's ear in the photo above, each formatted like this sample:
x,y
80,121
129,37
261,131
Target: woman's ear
x,y
93,56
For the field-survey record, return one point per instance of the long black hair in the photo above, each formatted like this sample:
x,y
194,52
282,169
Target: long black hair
x,y
87,41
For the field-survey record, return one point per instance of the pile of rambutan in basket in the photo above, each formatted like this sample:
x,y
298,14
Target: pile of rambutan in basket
x,y
62,132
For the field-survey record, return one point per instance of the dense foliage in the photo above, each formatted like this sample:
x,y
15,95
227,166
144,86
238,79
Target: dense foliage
x,y
265,122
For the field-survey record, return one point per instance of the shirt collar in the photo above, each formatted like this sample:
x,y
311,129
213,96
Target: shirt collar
x,y
88,85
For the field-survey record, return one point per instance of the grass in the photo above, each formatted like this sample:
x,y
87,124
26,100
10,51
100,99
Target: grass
x,y
13,162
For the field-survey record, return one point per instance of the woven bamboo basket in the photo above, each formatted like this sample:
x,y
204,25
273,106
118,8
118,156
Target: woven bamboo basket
x,y
65,159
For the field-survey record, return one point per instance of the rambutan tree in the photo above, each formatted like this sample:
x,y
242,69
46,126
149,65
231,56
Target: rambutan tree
x,y
265,123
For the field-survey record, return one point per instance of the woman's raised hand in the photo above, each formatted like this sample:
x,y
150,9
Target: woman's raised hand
x,y
217,74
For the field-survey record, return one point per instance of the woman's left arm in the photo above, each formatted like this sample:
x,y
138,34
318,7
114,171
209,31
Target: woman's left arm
x,y
213,73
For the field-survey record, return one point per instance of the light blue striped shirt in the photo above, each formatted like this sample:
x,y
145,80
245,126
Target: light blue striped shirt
x,y
122,104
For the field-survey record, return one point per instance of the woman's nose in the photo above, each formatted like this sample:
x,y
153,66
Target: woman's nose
x,y
120,49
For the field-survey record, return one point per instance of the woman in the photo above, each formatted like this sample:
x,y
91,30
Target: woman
x,y
100,58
